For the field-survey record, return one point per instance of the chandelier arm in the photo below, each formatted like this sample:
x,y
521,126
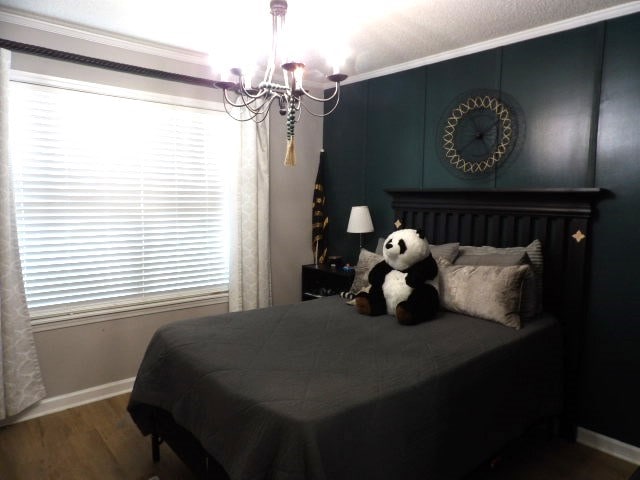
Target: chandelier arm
x,y
264,114
249,104
264,107
229,101
321,114
267,105
254,111
243,103
336,91
234,117
262,92
258,115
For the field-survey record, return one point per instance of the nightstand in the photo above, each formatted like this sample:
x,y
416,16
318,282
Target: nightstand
x,y
323,281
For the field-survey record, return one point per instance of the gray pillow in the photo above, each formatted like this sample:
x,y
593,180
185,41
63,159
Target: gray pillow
x,y
529,304
366,261
495,259
533,298
489,292
448,251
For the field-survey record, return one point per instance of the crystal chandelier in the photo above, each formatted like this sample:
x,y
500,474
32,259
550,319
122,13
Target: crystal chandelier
x,y
243,101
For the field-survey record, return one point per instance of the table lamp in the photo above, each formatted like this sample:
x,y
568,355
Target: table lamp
x,y
360,221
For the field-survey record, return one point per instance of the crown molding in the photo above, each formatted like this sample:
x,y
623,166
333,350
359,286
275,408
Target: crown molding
x,y
200,58
555,27
84,33
146,48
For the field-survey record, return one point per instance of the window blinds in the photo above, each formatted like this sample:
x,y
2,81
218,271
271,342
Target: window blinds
x,y
118,198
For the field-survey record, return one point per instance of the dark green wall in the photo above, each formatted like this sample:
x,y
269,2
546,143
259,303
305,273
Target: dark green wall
x,y
446,81
579,92
612,384
345,165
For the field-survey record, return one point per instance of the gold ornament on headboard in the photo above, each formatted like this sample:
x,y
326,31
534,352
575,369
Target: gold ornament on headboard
x,y
578,236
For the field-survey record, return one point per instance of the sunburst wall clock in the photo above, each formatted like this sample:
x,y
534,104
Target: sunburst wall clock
x,y
480,131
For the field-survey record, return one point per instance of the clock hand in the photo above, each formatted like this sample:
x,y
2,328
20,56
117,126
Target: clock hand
x,y
479,135
490,126
473,139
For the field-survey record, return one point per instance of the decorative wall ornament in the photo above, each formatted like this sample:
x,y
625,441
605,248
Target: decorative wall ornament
x,y
478,132
579,236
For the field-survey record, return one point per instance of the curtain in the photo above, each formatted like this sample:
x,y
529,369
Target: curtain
x,y
249,269
20,379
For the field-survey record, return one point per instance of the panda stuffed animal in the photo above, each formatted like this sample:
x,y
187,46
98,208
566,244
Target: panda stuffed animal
x,y
400,283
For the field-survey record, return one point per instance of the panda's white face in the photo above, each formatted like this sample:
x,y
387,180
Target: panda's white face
x,y
403,248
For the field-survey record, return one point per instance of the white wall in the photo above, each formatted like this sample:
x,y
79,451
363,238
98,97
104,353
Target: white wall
x,y
291,202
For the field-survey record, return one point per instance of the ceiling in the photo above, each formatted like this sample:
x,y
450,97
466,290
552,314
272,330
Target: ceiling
x,y
368,37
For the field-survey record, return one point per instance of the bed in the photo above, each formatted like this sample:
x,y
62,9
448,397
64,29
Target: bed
x,y
315,391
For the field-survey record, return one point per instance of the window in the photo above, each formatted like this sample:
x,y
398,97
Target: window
x,y
120,198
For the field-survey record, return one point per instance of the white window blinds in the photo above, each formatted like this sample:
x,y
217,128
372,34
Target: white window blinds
x,y
118,198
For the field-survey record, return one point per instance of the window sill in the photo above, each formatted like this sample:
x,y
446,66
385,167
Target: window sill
x,y
53,321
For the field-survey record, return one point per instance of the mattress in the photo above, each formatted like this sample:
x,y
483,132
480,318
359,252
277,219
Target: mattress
x,y
316,391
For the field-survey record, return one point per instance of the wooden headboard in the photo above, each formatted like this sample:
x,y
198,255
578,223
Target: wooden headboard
x,y
559,218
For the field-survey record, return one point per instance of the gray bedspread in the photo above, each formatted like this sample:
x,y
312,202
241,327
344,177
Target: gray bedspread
x,y
316,391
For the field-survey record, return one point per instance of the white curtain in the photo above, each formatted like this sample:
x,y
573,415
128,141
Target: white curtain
x,y
250,270
20,380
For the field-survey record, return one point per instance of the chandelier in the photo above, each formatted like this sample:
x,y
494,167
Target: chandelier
x,y
243,101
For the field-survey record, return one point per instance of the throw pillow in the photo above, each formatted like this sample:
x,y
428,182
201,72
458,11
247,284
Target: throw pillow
x,y
483,291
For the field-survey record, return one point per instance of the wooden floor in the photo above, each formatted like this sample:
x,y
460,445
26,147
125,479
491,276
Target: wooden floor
x,y
99,441
95,441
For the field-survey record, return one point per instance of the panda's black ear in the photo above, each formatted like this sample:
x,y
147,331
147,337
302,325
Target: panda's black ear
x,y
420,232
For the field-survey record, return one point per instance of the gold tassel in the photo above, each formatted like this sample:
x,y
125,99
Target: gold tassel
x,y
290,158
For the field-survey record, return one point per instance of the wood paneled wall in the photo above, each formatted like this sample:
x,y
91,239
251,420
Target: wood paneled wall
x,y
580,95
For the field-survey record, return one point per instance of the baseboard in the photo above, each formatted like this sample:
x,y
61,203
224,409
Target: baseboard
x,y
73,399
609,445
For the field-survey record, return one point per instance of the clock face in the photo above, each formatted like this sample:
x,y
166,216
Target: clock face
x,y
479,132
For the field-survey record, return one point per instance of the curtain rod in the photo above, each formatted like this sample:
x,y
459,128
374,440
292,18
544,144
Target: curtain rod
x,y
106,64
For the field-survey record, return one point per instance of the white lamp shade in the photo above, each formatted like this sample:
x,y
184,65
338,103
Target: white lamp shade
x,y
360,220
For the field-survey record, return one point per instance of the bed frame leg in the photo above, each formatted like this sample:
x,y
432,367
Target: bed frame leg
x,y
156,440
